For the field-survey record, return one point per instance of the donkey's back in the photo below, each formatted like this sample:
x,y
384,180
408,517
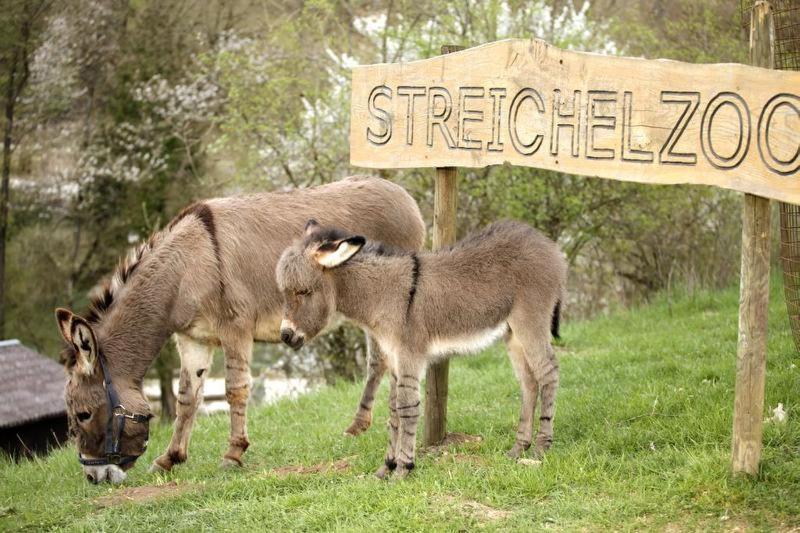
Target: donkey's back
x,y
253,230
476,284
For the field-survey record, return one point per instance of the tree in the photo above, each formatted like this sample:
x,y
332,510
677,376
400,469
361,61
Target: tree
x,y
21,24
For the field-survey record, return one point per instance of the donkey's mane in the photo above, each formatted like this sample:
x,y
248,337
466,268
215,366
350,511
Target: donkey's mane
x,y
103,296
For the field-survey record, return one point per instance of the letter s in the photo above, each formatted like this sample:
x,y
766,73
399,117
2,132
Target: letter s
x,y
379,114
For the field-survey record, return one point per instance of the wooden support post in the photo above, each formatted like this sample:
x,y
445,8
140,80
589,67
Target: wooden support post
x,y
444,233
751,362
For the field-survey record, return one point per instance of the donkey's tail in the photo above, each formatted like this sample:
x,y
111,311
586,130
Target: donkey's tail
x,y
556,321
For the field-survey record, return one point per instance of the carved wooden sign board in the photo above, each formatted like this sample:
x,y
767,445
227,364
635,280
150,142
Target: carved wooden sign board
x,y
526,103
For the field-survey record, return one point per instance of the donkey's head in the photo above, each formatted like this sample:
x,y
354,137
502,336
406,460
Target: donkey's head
x,y
108,418
307,290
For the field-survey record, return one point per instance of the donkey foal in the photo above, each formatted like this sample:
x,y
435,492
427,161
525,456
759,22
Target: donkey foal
x,y
506,280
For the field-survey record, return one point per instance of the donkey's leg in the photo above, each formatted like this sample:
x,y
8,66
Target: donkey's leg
x,y
237,391
408,409
393,426
376,368
547,374
195,362
530,391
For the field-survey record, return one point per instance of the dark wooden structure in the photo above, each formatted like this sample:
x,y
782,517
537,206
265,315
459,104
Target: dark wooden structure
x,y
33,417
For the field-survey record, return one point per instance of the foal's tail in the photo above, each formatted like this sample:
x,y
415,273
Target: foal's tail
x,y
556,320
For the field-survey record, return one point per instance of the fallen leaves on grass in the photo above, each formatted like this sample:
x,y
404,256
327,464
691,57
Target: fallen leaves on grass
x,y
142,494
322,468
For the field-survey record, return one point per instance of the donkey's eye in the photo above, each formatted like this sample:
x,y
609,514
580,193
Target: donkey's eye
x,y
304,292
83,416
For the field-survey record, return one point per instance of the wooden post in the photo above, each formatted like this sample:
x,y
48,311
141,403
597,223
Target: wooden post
x,y
751,359
444,233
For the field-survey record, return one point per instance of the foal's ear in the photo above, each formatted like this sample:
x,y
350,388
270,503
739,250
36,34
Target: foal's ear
x,y
333,254
311,226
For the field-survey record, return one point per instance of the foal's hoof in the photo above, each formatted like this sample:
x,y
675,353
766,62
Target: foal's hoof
x,y
403,471
357,427
230,463
540,451
516,451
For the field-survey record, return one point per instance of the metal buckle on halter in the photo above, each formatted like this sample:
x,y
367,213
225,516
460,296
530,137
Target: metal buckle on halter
x,y
113,458
121,411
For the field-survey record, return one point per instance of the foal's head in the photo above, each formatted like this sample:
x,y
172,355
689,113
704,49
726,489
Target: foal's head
x,y
307,290
88,405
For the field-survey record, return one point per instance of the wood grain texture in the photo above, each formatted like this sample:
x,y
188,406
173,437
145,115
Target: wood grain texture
x,y
445,202
527,103
444,233
751,355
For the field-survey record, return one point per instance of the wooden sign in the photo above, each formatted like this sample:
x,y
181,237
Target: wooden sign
x,y
527,103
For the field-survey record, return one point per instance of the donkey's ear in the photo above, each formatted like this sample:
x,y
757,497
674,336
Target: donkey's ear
x,y
333,254
311,226
64,320
85,344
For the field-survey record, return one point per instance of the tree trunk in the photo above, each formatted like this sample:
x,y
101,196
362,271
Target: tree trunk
x,y
165,365
8,130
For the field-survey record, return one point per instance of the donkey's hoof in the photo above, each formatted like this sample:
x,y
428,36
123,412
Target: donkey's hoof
x,y
230,462
383,472
161,464
357,427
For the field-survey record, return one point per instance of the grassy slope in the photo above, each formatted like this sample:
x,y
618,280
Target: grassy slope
x,y
642,440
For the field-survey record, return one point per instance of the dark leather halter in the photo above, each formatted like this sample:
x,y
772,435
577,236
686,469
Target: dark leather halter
x,y
116,411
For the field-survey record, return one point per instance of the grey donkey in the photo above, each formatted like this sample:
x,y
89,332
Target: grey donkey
x,y
507,280
208,279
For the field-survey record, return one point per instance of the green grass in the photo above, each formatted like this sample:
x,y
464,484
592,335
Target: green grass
x,y
642,442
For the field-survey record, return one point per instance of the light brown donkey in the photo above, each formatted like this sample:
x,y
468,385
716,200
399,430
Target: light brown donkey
x,y
506,280
209,279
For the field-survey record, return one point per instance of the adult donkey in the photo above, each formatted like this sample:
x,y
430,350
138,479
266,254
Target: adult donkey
x,y
208,279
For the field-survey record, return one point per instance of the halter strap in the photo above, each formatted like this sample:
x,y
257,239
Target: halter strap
x,y
115,411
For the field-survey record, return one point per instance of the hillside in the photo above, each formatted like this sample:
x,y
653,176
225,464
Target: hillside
x,y
642,441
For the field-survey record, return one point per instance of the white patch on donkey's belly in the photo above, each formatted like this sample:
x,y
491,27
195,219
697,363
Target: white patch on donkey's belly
x,y
469,343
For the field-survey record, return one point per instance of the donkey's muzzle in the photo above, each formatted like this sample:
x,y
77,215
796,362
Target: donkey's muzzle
x,y
291,339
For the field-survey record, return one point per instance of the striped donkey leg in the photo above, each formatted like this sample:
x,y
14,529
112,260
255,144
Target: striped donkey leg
x,y
376,368
547,374
530,392
408,409
195,362
237,392
393,426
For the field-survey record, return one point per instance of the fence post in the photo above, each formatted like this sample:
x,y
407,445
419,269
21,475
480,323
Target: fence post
x,y
444,233
751,359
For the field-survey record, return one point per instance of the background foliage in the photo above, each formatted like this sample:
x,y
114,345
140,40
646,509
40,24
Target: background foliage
x,y
133,108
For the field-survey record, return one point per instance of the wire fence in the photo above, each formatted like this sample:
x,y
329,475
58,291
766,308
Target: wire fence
x,y
786,16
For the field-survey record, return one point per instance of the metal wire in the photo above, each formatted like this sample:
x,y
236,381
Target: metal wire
x,y
786,15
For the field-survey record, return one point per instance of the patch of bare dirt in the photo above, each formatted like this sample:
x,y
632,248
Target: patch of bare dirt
x,y
453,439
477,510
142,494
341,465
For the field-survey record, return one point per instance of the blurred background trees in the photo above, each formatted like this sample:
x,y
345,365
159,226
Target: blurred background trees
x,y
123,111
